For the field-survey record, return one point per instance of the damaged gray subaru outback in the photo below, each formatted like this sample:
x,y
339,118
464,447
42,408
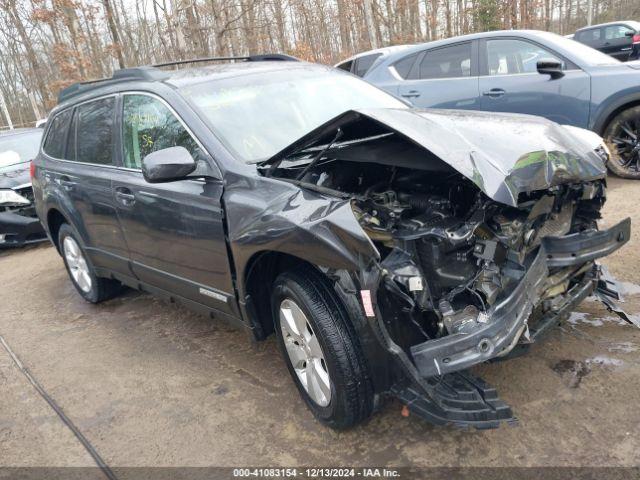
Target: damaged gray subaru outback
x,y
388,248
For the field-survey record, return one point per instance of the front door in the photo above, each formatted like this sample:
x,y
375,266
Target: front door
x,y
174,230
511,83
444,77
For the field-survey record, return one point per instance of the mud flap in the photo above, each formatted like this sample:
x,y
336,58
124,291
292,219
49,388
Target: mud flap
x,y
460,399
608,293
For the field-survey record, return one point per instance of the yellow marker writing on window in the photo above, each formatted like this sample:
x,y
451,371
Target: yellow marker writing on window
x,y
146,140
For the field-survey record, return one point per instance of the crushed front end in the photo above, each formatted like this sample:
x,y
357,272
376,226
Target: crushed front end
x,y
483,246
465,279
475,277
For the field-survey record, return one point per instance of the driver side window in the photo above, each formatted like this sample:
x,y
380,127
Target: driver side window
x,y
148,125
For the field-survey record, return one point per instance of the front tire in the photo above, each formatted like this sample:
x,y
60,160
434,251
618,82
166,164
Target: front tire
x,y
92,288
321,349
622,136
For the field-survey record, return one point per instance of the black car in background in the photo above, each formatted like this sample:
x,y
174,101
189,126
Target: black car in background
x,y
19,224
621,39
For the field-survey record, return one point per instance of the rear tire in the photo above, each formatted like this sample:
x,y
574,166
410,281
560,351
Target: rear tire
x,y
330,370
92,288
622,136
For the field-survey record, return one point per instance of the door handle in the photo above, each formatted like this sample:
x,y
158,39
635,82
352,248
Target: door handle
x,y
494,93
66,183
125,196
411,94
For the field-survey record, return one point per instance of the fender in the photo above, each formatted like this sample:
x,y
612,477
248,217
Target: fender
x,y
273,215
602,114
54,199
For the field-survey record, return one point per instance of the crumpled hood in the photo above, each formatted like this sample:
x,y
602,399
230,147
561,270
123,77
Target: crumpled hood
x,y
15,175
503,154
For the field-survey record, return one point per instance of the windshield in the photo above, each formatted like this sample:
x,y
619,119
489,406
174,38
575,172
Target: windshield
x,y
257,115
17,148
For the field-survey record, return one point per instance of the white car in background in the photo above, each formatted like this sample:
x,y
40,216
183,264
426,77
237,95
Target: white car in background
x,y
360,63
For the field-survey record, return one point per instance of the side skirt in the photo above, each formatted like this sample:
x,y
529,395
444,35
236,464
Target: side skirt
x,y
136,284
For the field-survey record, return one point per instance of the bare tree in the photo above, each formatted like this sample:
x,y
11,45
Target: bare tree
x,y
47,44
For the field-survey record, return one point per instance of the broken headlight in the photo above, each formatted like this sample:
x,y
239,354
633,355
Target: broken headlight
x,y
9,198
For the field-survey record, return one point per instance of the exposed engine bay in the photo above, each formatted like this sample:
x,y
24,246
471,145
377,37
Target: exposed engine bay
x,y
447,250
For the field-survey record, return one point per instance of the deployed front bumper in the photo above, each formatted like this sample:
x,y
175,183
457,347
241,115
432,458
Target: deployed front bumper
x,y
507,320
16,230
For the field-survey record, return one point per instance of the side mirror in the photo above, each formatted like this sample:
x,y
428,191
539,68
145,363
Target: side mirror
x,y
549,66
629,34
167,165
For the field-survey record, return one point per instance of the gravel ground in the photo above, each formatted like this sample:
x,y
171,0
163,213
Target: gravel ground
x,y
150,383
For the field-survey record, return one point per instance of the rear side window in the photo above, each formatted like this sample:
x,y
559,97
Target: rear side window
x,y
57,135
363,64
403,67
447,62
589,36
94,132
148,125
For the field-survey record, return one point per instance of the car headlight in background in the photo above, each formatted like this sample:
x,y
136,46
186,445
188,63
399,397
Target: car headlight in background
x,y
9,198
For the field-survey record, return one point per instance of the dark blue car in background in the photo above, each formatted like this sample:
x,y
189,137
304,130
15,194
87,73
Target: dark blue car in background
x,y
523,71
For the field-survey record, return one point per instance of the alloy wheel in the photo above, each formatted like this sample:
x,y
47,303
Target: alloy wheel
x,y
305,352
77,264
626,142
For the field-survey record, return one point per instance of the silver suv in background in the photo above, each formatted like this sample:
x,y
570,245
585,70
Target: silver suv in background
x,y
524,71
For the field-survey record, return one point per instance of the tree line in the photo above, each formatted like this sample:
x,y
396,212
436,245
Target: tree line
x,y
46,45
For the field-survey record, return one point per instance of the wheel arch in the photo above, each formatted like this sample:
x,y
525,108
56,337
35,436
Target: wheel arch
x,y
612,109
55,219
260,272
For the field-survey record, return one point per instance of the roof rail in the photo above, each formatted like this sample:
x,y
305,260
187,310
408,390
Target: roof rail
x,y
250,58
124,74
152,72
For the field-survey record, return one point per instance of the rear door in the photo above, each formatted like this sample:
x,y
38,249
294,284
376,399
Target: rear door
x,y
443,77
81,167
510,82
618,41
174,230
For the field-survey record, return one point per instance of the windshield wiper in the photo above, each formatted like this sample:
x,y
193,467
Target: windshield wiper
x,y
320,154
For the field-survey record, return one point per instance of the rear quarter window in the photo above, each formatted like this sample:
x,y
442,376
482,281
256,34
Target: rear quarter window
x,y
346,66
57,135
363,64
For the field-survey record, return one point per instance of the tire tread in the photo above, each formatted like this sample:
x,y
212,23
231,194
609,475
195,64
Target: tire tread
x,y
328,311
